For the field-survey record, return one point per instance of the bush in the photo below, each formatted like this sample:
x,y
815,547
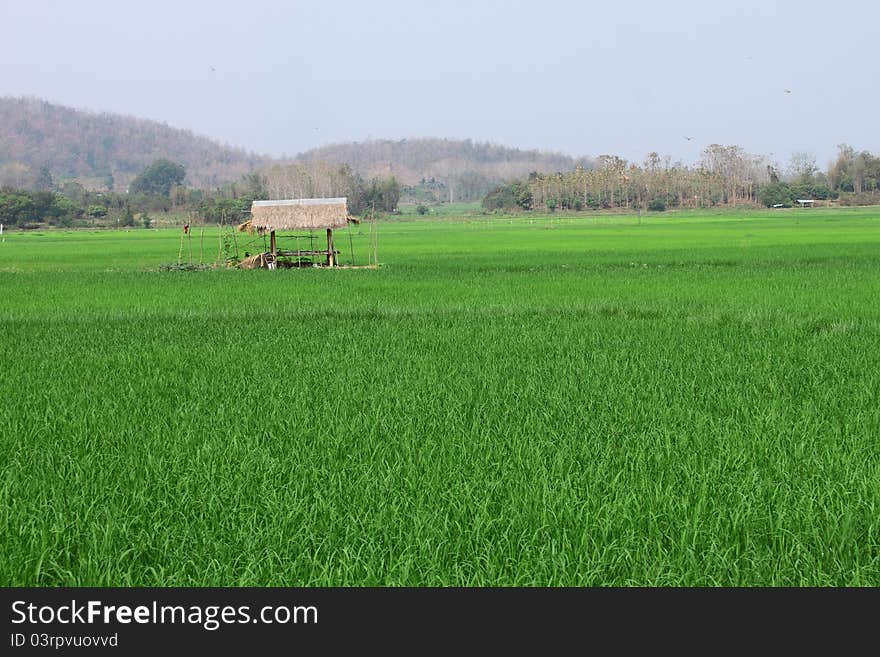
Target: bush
x,y
513,196
422,209
657,205
851,198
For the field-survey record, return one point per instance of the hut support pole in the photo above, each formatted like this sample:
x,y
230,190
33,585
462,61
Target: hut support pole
x,y
374,231
273,249
330,258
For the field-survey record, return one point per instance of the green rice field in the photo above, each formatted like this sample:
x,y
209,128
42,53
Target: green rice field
x,y
677,400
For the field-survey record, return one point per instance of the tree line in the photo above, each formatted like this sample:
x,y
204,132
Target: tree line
x,y
724,175
160,189
432,170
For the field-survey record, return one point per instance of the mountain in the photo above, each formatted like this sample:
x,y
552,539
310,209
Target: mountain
x,y
39,139
89,147
461,169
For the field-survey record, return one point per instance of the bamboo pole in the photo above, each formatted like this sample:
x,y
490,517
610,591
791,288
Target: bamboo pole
x,y
375,238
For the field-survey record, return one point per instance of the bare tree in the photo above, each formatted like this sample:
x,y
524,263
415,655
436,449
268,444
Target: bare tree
x,y
802,166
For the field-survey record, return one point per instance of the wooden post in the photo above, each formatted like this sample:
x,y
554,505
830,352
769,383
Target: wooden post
x,y
330,258
272,247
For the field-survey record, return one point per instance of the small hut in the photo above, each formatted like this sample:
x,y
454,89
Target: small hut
x,y
308,214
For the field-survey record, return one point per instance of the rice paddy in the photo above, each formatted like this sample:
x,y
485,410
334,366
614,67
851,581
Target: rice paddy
x,y
688,399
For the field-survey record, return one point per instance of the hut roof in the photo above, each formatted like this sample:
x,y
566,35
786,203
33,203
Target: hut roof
x,y
299,214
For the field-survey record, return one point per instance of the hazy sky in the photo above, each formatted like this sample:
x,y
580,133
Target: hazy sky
x,y
583,78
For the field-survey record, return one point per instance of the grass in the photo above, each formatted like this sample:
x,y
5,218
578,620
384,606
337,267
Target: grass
x,y
441,210
507,401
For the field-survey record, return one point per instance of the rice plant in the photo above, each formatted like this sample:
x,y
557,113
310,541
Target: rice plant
x,y
506,401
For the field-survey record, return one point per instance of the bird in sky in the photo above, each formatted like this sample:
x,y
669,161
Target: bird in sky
x,y
788,91
213,69
688,138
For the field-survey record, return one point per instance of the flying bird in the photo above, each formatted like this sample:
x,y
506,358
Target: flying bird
x,y
788,91
213,69
688,138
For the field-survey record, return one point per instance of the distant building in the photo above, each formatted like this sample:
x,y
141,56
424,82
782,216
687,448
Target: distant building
x,y
806,202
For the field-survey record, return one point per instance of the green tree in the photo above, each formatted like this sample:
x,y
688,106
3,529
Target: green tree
x,y
511,196
158,179
389,194
16,208
96,211
127,217
65,208
45,205
778,193
522,194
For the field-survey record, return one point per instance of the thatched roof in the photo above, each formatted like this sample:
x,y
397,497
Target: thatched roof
x,y
299,214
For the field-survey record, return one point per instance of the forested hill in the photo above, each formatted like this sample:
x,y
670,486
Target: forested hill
x,y
40,140
90,147
448,169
